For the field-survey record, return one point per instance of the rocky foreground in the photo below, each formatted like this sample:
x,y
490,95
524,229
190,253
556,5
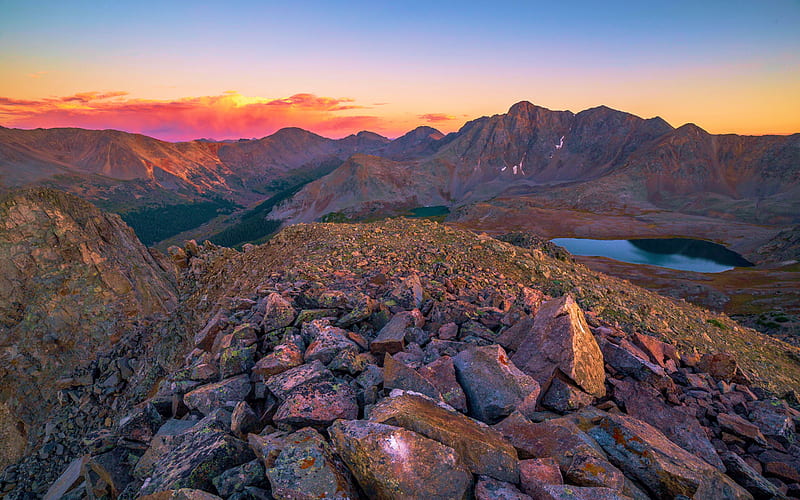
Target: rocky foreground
x,y
406,360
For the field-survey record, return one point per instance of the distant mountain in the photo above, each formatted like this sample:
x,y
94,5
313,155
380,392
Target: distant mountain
x,y
600,160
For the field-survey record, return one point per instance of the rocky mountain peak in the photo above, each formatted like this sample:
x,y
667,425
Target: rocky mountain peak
x,y
72,278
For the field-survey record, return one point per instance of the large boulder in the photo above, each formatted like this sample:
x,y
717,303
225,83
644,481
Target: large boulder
x,y
224,394
397,375
561,340
391,462
318,402
482,449
661,466
494,386
306,469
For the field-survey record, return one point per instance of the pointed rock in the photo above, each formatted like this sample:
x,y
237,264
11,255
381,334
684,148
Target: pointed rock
x,y
391,338
561,340
749,478
278,313
442,374
391,462
563,396
396,375
481,448
494,386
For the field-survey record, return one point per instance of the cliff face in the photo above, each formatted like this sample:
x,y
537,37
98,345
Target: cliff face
x,y
71,280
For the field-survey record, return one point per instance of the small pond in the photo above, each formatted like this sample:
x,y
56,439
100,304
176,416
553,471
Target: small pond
x,y
675,253
435,211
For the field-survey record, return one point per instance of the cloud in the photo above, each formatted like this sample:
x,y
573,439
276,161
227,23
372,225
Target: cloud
x,y
226,116
436,117
37,74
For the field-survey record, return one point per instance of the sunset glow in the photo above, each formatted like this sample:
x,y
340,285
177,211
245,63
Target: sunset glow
x,y
192,70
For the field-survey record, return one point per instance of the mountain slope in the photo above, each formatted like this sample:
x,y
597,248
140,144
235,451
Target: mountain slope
x,y
72,279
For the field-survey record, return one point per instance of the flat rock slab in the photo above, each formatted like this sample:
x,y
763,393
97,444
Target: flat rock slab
x,y
285,382
391,462
558,438
224,394
560,339
664,468
494,386
391,338
318,402
481,448
307,469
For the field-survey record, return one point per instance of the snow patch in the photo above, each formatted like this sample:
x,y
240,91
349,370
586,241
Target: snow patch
x,y
560,144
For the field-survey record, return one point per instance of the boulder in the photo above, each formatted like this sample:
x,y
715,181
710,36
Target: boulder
x,y
407,294
538,471
721,366
628,360
749,478
327,342
181,494
278,313
285,382
169,435
235,480
741,427
391,462
678,423
512,337
205,452
318,402
282,358
140,424
68,480
563,396
561,340
442,374
494,386
306,469
661,466
236,360
488,488
114,469
481,448
570,492
659,352
774,418
588,470
396,375
243,420
391,338
559,438
224,394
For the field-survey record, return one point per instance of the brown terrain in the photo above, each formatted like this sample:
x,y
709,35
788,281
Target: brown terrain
x,y
399,358
408,359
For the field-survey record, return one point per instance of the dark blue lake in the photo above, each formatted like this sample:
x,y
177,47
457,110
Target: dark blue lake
x,y
675,253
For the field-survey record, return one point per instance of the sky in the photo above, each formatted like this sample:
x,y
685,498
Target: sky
x,y
225,70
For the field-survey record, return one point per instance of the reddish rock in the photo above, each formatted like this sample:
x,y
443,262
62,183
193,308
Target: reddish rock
x,y
236,360
535,472
721,366
282,384
391,462
679,424
588,470
782,471
278,313
448,331
327,342
282,358
561,340
243,420
181,494
140,424
396,375
559,438
512,337
493,489
361,307
569,492
658,351
68,480
481,448
267,447
749,478
663,467
774,418
494,386
741,427
407,294
306,469
442,374
318,402
224,394
624,360
563,397
391,338
204,339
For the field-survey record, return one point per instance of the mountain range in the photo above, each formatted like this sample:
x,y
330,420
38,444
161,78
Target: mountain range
x,y
511,165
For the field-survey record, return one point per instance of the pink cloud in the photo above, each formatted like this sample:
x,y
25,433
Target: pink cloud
x,y
225,116
436,117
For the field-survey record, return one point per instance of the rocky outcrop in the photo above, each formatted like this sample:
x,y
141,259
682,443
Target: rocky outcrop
x,y
72,281
326,417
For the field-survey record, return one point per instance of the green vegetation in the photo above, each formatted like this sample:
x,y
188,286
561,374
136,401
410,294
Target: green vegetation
x,y
719,324
153,224
337,217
